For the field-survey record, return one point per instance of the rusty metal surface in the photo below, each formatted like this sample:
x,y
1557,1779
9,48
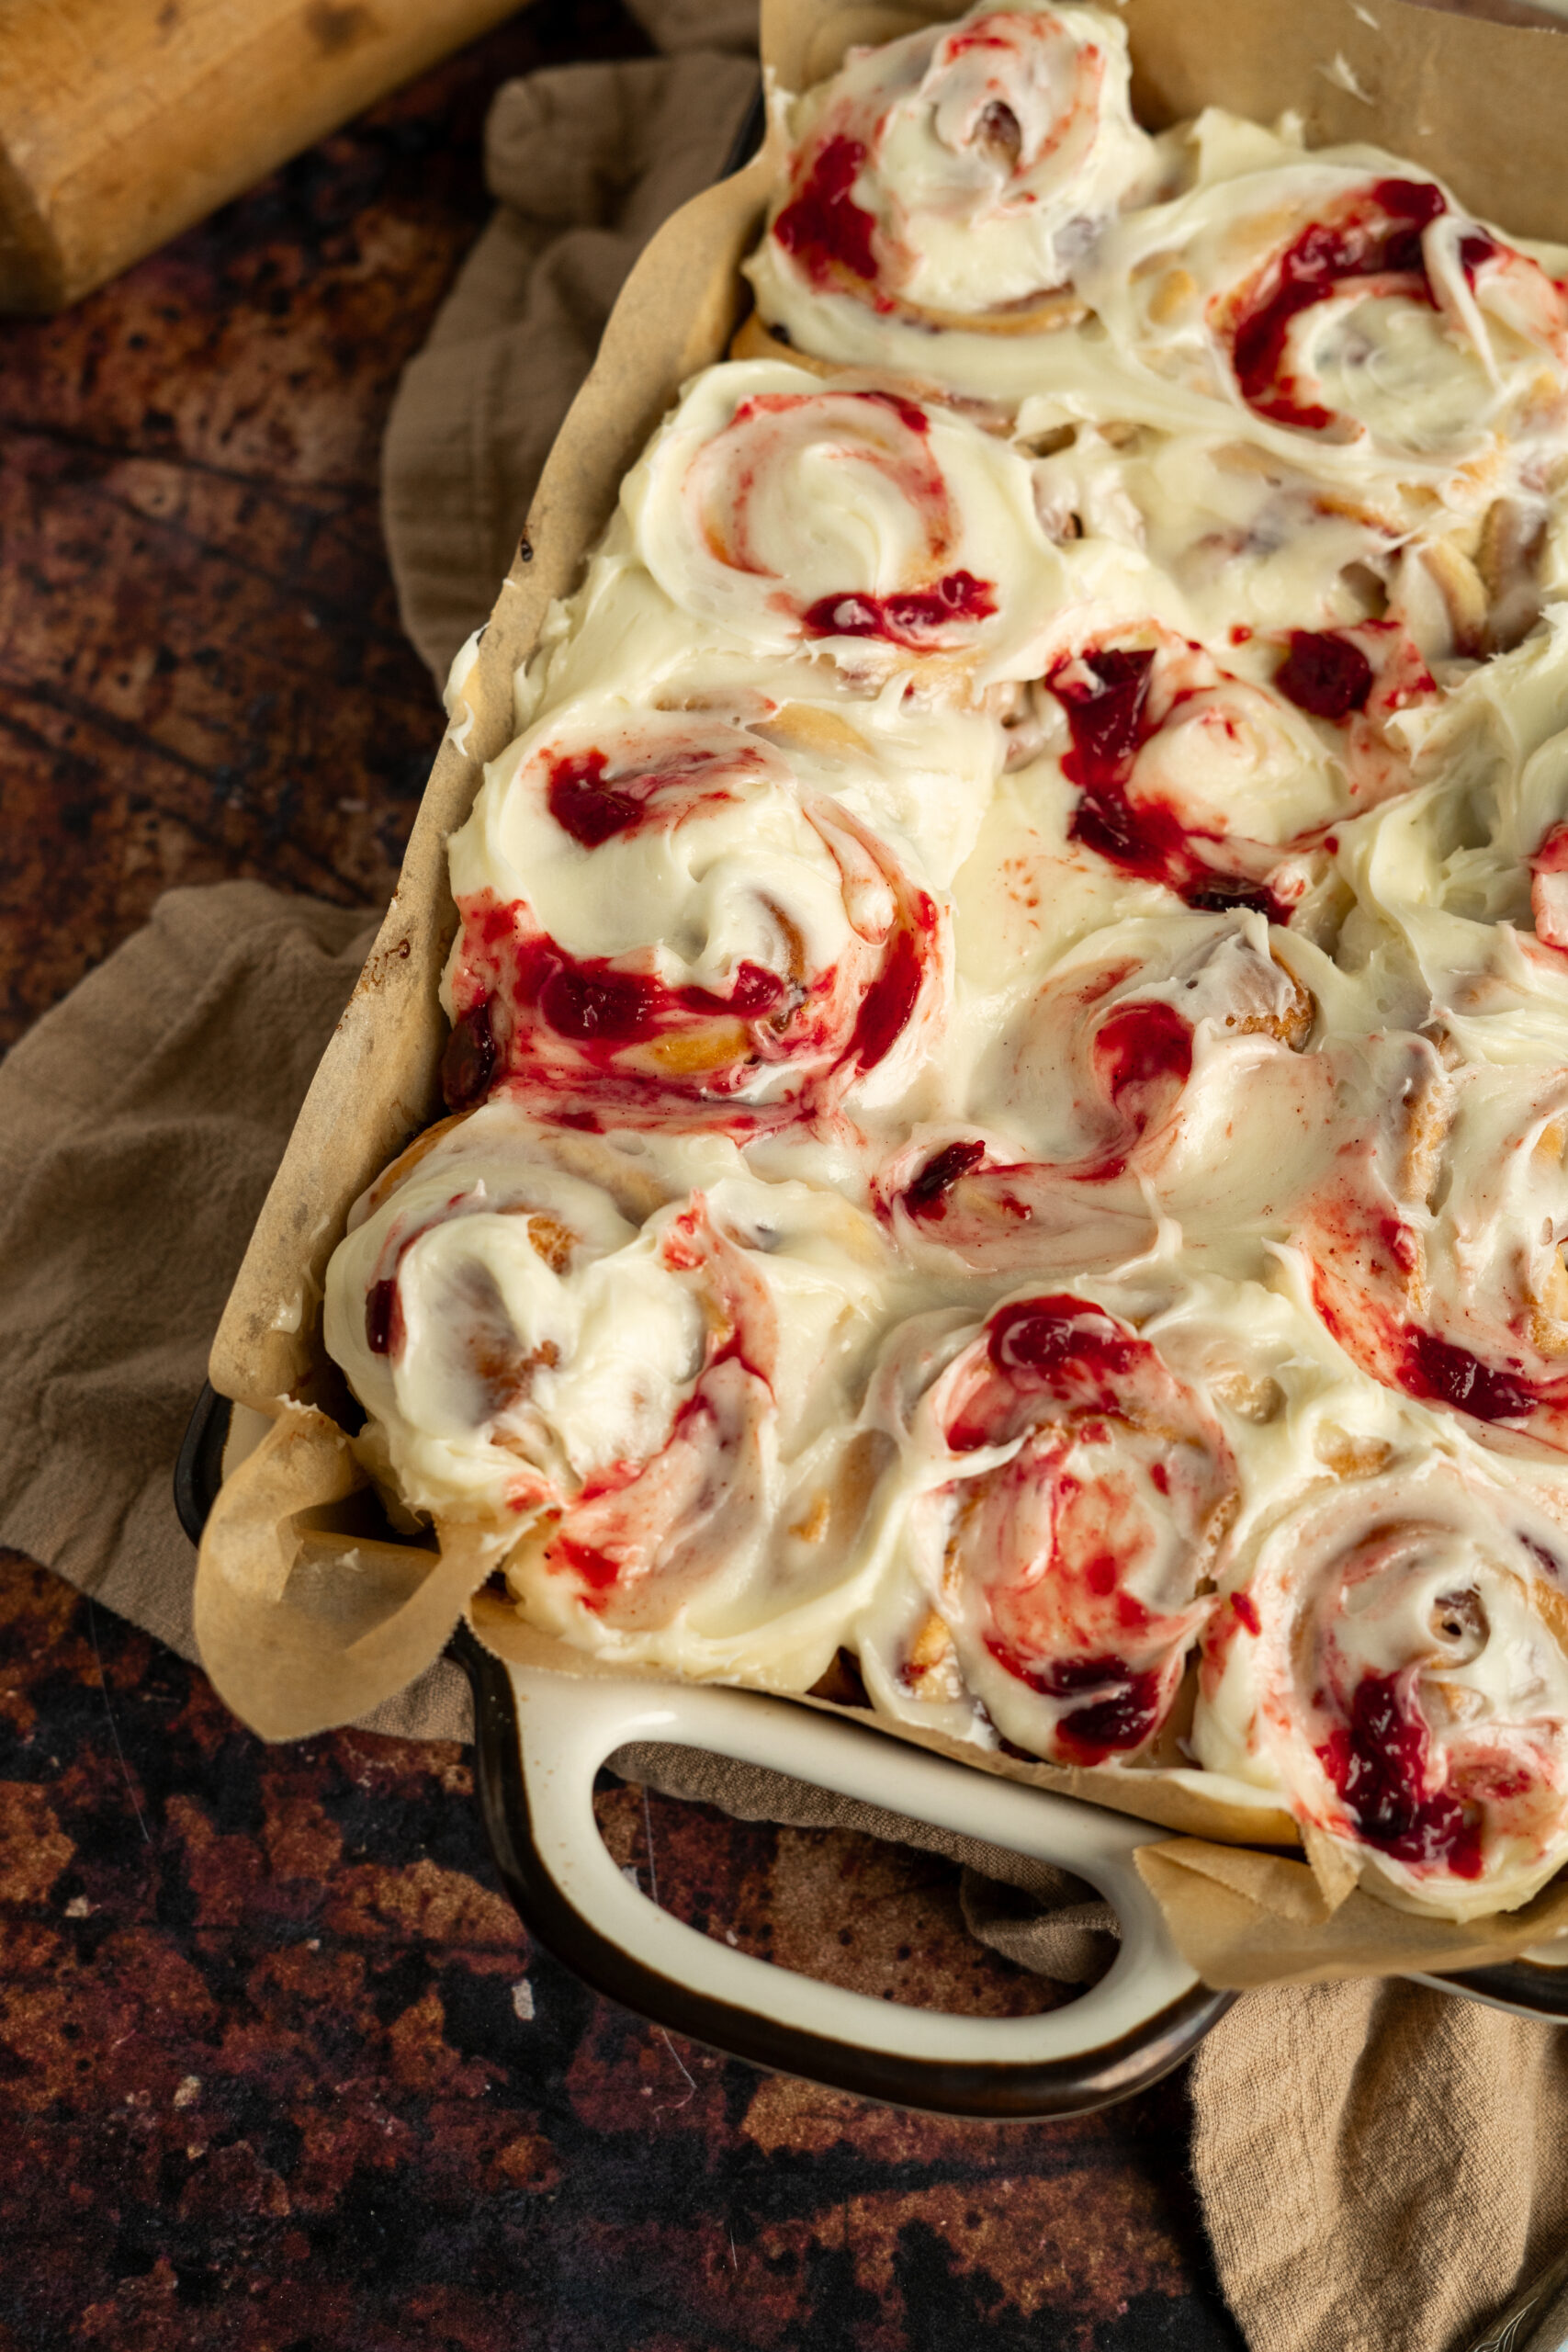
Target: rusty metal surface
x,y
279,2070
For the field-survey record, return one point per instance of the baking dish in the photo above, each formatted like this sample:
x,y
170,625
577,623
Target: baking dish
x,y
539,1742
287,1633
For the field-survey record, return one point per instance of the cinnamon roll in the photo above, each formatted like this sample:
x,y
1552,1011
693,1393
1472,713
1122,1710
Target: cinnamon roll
x,y
881,529
661,921
1160,1067
1064,1496
635,1381
1206,782
1389,1655
1242,534
1437,1246
944,188
1343,298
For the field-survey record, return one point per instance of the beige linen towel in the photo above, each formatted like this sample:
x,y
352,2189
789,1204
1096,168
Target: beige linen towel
x,y
587,160
1379,2165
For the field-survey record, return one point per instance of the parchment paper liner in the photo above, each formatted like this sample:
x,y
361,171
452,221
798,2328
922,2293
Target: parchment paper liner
x,y
308,1611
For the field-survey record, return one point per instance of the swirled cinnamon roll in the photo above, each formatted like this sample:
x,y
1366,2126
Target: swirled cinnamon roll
x,y
1436,1245
944,187
1390,1655
1159,1065
1063,1496
1206,781
1244,535
1454,883
637,1382
1341,298
889,533
661,921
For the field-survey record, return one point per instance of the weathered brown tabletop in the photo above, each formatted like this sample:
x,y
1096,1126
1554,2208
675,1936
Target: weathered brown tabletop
x,y
278,2067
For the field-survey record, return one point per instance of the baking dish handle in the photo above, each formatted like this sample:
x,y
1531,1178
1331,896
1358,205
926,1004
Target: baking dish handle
x,y
541,1738
1534,1986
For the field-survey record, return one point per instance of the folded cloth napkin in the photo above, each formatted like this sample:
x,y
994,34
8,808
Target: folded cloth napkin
x,y
1376,2162
587,160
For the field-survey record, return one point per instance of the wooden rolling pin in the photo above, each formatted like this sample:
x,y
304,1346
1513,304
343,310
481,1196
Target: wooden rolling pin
x,y
122,121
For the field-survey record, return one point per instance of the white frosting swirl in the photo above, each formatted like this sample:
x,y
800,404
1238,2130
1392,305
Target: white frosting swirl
x,y
1158,1071
651,1396
1390,1656
659,918
1061,1497
1343,297
890,532
965,167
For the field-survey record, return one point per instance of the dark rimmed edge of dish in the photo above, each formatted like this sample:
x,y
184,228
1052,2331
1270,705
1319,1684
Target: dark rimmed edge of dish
x,y
1526,1983
198,1467
750,136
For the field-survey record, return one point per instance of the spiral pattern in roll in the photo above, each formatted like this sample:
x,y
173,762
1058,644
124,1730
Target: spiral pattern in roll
x,y
658,921
879,526
1359,305
1390,1657
1436,1247
962,169
1067,1496
631,1377
1161,1065
1191,776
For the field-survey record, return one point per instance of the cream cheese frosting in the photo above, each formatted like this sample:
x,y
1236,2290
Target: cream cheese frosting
x,y
639,1361
895,534
1389,1653
951,182
659,913
1009,1003
1063,1498
965,167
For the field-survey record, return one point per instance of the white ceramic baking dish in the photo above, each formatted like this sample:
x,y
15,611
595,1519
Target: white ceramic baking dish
x,y
540,1740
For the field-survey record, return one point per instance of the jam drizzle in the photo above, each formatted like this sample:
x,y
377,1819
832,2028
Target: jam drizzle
x,y
1380,1764
926,1197
541,1004
1324,675
911,619
1109,721
384,1331
1121,1704
1059,1346
584,805
1143,1047
1423,1363
822,227
595,1004
1047,1340
1378,237
1434,1367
